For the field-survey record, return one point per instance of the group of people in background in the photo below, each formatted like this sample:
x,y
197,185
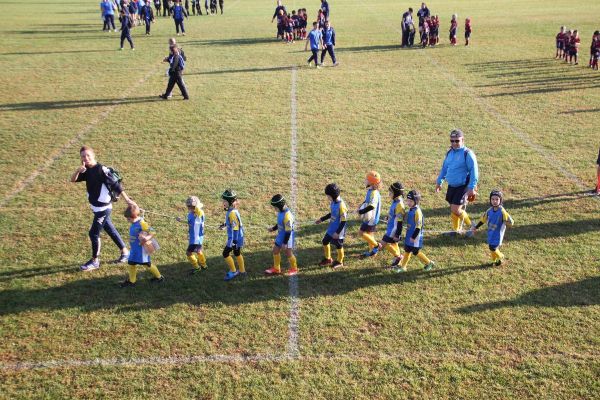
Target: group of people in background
x,y
429,28
568,43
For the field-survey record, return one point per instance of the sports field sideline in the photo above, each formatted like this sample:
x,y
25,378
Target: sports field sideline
x,y
261,122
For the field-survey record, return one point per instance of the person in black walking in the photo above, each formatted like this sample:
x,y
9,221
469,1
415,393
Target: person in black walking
x,y
407,24
176,67
98,179
126,24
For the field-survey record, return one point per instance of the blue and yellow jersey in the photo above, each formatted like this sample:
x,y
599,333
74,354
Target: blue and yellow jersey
x,y
235,228
285,228
414,220
195,221
137,253
339,214
497,220
373,198
395,215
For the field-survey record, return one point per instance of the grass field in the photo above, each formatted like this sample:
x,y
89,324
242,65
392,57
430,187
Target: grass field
x,y
530,329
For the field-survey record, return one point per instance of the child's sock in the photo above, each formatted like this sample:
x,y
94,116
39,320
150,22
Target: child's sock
x,y
154,271
497,255
368,237
465,217
193,260
405,259
132,269
277,261
230,263
201,259
423,258
340,255
455,221
327,251
293,262
393,249
241,265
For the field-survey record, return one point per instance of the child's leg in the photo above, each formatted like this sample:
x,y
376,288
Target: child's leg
x,y
132,270
423,257
228,259
339,244
237,251
326,247
405,259
292,259
193,259
393,249
277,258
464,218
154,271
201,259
368,237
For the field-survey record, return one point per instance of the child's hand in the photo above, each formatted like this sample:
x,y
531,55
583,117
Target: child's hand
x,y
412,240
82,168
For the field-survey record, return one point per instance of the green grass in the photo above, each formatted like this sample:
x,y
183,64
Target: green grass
x,y
465,330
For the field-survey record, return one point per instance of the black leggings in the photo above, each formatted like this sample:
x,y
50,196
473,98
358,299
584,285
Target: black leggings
x,y
102,221
227,251
338,243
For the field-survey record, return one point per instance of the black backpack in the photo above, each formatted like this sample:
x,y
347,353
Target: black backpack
x,y
112,180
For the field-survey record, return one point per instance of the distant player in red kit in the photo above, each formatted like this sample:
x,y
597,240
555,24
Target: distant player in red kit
x,y
593,48
596,50
574,46
560,42
453,29
467,31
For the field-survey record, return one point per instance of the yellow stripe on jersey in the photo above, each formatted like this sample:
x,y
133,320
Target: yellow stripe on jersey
x,y
343,211
198,212
288,221
144,225
400,210
234,221
418,218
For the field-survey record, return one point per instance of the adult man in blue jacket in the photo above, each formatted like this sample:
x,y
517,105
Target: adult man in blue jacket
x,y
461,172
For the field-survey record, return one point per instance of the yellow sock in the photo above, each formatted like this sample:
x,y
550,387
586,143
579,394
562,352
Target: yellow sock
x,y
201,260
455,221
368,237
193,260
340,255
423,258
393,249
230,263
277,261
132,269
496,255
293,262
154,271
465,217
405,259
241,265
327,251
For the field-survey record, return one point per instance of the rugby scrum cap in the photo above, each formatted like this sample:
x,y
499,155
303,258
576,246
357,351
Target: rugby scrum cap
x,y
397,189
278,201
373,178
497,192
229,195
414,196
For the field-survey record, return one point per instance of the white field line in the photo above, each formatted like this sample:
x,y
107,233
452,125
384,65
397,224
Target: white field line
x,y
424,356
24,183
293,349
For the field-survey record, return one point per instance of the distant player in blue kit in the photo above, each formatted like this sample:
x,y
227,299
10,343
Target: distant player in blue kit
x,y
315,39
328,43
413,242
497,219
139,233
370,211
336,231
235,235
178,14
285,238
394,224
147,15
195,221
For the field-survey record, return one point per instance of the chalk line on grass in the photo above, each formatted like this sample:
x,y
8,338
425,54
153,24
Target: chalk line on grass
x,y
293,349
24,183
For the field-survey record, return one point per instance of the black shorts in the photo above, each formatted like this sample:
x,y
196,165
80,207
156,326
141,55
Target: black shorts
x,y
387,239
367,228
559,44
467,35
147,264
411,249
194,248
456,195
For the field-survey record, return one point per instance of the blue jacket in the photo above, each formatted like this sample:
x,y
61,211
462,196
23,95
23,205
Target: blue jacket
x,y
329,37
459,168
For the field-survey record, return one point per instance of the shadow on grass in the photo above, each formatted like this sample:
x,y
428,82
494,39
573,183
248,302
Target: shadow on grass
x,y
376,48
572,294
87,292
55,105
232,42
593,110
241,70
35,53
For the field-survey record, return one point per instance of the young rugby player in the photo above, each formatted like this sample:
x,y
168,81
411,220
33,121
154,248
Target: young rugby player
x,y
235,235
371,207
336,230
195,221
560,42
394,223
453,29
468,31
285,237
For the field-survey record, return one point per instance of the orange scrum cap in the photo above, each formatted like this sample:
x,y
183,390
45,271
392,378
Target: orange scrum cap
x,y
373,178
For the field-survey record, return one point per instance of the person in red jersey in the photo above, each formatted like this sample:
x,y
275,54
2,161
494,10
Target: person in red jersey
x,y
567,45
574,46
467,31
596,51
593,48
453,29
560,42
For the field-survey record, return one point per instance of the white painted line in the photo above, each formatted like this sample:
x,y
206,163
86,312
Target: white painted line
x,y
24,183
293,349
441,355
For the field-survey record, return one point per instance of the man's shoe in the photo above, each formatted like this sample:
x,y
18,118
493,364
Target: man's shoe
x,y
90,265
163,96
121,259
